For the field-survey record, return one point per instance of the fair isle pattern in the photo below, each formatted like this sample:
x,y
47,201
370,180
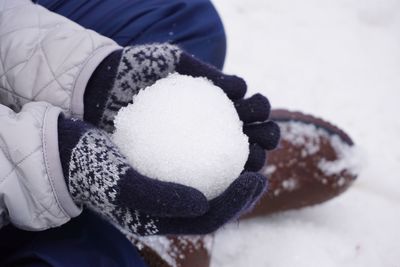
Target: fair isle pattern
x,y
132,221
97,186
140,66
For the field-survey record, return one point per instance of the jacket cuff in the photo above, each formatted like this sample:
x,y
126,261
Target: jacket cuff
x,y
77,107
53,164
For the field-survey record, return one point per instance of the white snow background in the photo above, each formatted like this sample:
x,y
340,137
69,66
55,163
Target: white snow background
x,y
339,60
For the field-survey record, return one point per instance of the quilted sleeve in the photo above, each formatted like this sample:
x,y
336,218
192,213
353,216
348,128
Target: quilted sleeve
x,y
46,57
33,193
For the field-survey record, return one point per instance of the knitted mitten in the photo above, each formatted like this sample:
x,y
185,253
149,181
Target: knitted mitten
x,y
97,174
123,73
99,177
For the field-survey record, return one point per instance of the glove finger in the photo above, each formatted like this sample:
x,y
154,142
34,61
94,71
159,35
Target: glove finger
x,y
254,109
256,159
229,205
235,87
159,198
265,134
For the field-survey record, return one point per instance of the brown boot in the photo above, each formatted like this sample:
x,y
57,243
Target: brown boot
x,y
309,167
313,163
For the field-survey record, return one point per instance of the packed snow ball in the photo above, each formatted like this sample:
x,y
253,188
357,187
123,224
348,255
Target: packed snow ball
x,y
184,130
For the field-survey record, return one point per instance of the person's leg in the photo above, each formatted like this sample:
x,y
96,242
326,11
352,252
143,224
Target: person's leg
x,y
84,241
194,25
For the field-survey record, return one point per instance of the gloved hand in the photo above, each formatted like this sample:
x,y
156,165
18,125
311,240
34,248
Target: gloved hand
x,y
99,177
123,73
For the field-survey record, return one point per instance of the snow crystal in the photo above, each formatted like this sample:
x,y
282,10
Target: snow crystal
x,y
289,184
184,130
171,252
270,169
161,245
301,134
349,159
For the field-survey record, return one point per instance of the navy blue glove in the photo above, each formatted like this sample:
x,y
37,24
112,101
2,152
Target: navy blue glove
x,y
123,73
99,177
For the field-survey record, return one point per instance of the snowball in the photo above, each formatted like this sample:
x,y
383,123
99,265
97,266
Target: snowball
x,y
183,130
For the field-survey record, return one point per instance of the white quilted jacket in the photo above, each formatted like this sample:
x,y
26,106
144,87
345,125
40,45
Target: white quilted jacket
x,y
45,63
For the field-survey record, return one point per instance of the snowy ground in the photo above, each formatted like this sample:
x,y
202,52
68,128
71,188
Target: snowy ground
x,y
339,60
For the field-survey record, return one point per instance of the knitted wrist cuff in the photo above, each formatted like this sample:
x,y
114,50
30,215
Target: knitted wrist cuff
x,y
99,87
69,133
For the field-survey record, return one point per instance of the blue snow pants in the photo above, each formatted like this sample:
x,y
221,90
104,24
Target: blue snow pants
x,y
88,240
85,241
192,24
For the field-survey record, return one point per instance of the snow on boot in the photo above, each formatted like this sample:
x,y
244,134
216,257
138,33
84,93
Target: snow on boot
x,y
314,162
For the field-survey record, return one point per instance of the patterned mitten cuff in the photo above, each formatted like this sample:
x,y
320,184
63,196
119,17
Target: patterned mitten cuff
x,y
121,75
